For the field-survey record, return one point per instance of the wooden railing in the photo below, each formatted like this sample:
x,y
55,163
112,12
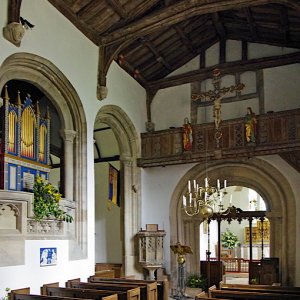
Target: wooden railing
x,y
276,133
237,265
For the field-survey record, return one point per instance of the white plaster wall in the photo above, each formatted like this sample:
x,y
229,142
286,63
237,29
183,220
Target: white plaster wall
x,y
282,88
158,185
108,246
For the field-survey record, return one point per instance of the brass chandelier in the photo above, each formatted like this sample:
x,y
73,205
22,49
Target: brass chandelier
x,y
204,200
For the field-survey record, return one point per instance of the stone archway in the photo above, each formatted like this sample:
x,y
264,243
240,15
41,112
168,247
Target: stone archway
x,y
127,138
53,83
269,183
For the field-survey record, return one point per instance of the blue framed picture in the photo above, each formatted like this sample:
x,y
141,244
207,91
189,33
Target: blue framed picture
x,y
48,257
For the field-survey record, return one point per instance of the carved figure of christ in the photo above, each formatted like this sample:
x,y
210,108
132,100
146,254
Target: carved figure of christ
x,y
216,95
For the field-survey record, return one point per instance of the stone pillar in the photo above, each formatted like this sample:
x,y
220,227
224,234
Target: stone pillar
x,y
68,137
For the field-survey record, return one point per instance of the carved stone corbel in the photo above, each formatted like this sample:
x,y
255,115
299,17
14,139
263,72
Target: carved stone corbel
x,y
14,33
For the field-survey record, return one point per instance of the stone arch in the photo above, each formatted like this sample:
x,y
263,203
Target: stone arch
x,y
128,141
53,83
253,173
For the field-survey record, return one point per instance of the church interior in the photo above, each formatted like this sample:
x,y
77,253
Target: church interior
x,y
102,183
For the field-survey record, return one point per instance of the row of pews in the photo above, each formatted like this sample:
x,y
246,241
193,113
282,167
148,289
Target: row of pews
x,y
250,292
99,289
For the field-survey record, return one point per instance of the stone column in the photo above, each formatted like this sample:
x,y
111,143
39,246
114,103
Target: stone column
x,y
68,137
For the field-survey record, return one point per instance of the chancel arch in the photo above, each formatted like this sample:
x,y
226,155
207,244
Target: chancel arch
x,y
127,138
45,76
253,173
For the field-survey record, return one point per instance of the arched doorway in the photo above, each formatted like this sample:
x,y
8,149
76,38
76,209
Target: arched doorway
x,y
51,81
127,139
268,182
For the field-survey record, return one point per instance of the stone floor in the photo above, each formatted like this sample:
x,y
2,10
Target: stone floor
x,y
236,278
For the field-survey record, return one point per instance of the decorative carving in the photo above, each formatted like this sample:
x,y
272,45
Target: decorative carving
x,y
276,134
14,33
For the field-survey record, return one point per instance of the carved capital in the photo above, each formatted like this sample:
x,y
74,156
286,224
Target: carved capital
x,y
14,33
102,92
68,135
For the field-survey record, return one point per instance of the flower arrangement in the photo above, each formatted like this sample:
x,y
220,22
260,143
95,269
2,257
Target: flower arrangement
x,y
46,201
229,240
195,281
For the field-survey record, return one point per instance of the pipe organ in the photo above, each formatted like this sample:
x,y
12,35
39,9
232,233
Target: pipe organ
x,y
24,143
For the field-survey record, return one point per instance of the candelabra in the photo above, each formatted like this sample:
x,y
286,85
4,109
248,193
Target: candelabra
x,y
204,200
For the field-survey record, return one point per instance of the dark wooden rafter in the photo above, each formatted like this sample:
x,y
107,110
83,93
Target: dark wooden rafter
x,y
14,7
218,26
244,50
178,12
117,6
141,8
106,55
150,94
158,56
185,40
284,24
222,51
251,23
227,68
69,14
107,159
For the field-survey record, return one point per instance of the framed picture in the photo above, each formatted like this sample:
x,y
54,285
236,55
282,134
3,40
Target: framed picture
x,y
48,256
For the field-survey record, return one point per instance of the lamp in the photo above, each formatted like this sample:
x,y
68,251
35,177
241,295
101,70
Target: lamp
x,y
204,200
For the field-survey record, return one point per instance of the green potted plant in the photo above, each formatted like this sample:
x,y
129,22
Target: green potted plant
x,y
229,239
194,285
46,202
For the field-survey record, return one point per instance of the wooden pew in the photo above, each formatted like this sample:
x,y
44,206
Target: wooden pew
x,y
84,293
24,294
151,286
133,292
261,288
224,294
162,285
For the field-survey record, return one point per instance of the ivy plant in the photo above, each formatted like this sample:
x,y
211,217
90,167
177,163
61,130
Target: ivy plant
x,y
46,202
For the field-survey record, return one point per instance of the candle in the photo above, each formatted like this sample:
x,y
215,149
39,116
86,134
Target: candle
x,y
230,201
194,184
218,184
190,199
189,186
206,182
184,201
205,195
225,184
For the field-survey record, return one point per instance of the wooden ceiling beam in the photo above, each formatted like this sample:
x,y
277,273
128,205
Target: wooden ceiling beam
x,y
159,58
117,6
284,23
14,7
220,29
69,14
179,12
251,22
185,40
226,68
141,8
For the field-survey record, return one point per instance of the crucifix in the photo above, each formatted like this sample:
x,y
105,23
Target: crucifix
x,y
216,96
